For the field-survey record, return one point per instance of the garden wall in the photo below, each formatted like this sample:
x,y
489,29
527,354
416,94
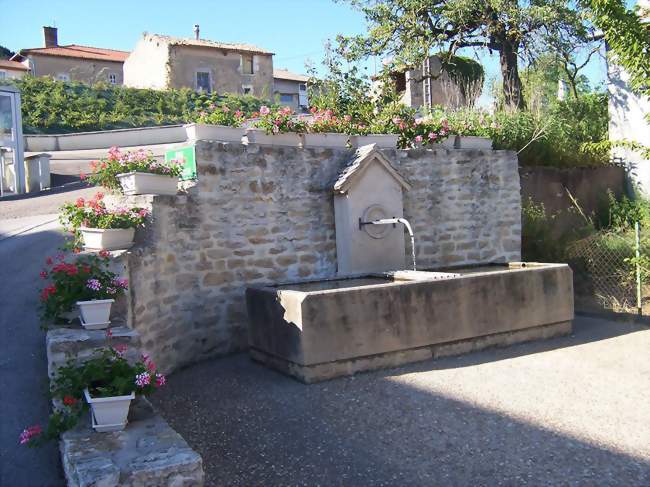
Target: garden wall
x,y
263,214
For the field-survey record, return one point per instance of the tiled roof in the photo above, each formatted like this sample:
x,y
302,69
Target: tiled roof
x,y
181,41
288,75
80,52
5,63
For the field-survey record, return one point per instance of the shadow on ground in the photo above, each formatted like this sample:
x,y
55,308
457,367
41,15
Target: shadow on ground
x,y
255,427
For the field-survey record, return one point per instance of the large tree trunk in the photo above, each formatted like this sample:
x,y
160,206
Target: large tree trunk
x,y
512,92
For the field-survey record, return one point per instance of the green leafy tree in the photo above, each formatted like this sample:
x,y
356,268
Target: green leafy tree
x,y
410,30
5,53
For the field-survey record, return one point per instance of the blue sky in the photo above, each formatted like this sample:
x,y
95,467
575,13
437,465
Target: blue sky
x,y
294,29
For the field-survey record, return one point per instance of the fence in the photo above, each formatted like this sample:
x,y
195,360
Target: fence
x,y
609,271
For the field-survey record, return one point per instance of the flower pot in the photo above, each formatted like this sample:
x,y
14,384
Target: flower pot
x,y
96,314
221,133
473,142
450,142
326,140
383,141
107,238
259,136
148,183
109,413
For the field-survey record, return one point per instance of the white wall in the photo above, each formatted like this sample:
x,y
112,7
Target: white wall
x,y
146,66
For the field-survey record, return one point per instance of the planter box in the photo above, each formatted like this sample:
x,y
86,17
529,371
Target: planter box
x,y
326,140
472,142
96,314
109,413
147,183
259,136
383,141
450,142
222,133
107,238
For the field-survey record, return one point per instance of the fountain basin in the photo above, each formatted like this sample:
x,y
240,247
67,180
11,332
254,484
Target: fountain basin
x,y
319,330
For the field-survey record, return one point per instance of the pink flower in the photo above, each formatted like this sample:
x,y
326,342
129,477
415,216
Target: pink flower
x,y
29,433
418,138
264,110
143,379
432,136
347,118
151,367
143,212
120,349
160,380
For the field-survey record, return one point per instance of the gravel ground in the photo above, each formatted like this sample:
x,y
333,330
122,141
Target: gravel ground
x,y
569,411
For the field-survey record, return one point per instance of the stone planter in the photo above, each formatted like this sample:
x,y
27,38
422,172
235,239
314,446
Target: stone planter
x,y
147,183
259,136
473,142
96,314
109,413
383,141
221,133
107,238
326,140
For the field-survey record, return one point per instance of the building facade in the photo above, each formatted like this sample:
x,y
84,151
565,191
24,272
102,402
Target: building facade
x,y
12,69
290,89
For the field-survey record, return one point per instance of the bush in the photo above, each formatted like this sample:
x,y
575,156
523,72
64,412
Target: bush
x,y
50,106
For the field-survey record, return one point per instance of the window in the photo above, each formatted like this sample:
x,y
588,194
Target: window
x,y
63,77
303,87
112,78
247,89
286,98
400,81
3,74
247,64
203,81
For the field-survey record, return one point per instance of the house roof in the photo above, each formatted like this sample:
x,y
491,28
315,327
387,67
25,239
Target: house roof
x,y
289,76
7,64
225,46
79,52
363,157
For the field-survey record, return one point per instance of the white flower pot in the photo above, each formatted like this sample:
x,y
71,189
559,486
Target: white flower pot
x,y
107,238
109,413
147,183
473,142
326,140
383,141
96,314
221,133
259,136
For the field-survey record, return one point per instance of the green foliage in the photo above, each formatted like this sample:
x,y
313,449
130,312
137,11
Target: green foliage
x,y
50,106
623,213
539,241
68,282
5,53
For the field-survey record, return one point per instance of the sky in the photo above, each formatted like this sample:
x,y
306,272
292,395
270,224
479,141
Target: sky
x,y
295,30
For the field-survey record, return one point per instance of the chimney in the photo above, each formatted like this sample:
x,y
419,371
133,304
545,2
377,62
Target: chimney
x,y
196,31
50,36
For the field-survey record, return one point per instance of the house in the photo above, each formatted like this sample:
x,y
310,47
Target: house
x,y
627,117
428,85
162,62
72,62
290,89
12,69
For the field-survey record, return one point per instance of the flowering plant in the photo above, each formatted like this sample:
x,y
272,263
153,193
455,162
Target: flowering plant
x,y
221,115
328,121
85,279
278,121
93,213
105,171
106,375
472,123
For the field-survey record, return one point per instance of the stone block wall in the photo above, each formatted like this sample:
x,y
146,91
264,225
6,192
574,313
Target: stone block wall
x,y
264,214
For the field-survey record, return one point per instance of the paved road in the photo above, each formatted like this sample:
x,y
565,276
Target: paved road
x,y
569,411
23,365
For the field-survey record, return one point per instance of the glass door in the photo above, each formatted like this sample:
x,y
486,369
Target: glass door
x,y
11,143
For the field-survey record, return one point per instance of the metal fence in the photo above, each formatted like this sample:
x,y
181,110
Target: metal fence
x,y
608,272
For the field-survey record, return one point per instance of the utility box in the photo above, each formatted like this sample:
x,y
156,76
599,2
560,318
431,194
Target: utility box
x,y
37,172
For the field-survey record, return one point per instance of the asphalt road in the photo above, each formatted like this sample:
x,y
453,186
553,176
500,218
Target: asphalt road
x,y
23,365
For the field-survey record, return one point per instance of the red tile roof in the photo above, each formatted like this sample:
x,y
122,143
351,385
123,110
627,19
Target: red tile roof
x,y
5,63
80,52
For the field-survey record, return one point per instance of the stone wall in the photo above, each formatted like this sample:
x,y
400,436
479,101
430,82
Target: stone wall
x,y
263,214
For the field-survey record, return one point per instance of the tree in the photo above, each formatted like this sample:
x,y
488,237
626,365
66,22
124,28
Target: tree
x,y
5,53
410,30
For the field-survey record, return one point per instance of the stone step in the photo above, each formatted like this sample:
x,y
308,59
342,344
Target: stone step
x,y
147,452
63,344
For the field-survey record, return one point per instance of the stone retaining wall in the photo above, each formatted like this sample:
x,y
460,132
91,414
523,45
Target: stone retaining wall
x,y
263,214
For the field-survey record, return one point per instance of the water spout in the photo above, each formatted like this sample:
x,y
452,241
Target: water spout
x,y
393,221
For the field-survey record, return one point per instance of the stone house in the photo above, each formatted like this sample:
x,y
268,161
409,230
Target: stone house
x,y
72,62
162,62
290,89
12,69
